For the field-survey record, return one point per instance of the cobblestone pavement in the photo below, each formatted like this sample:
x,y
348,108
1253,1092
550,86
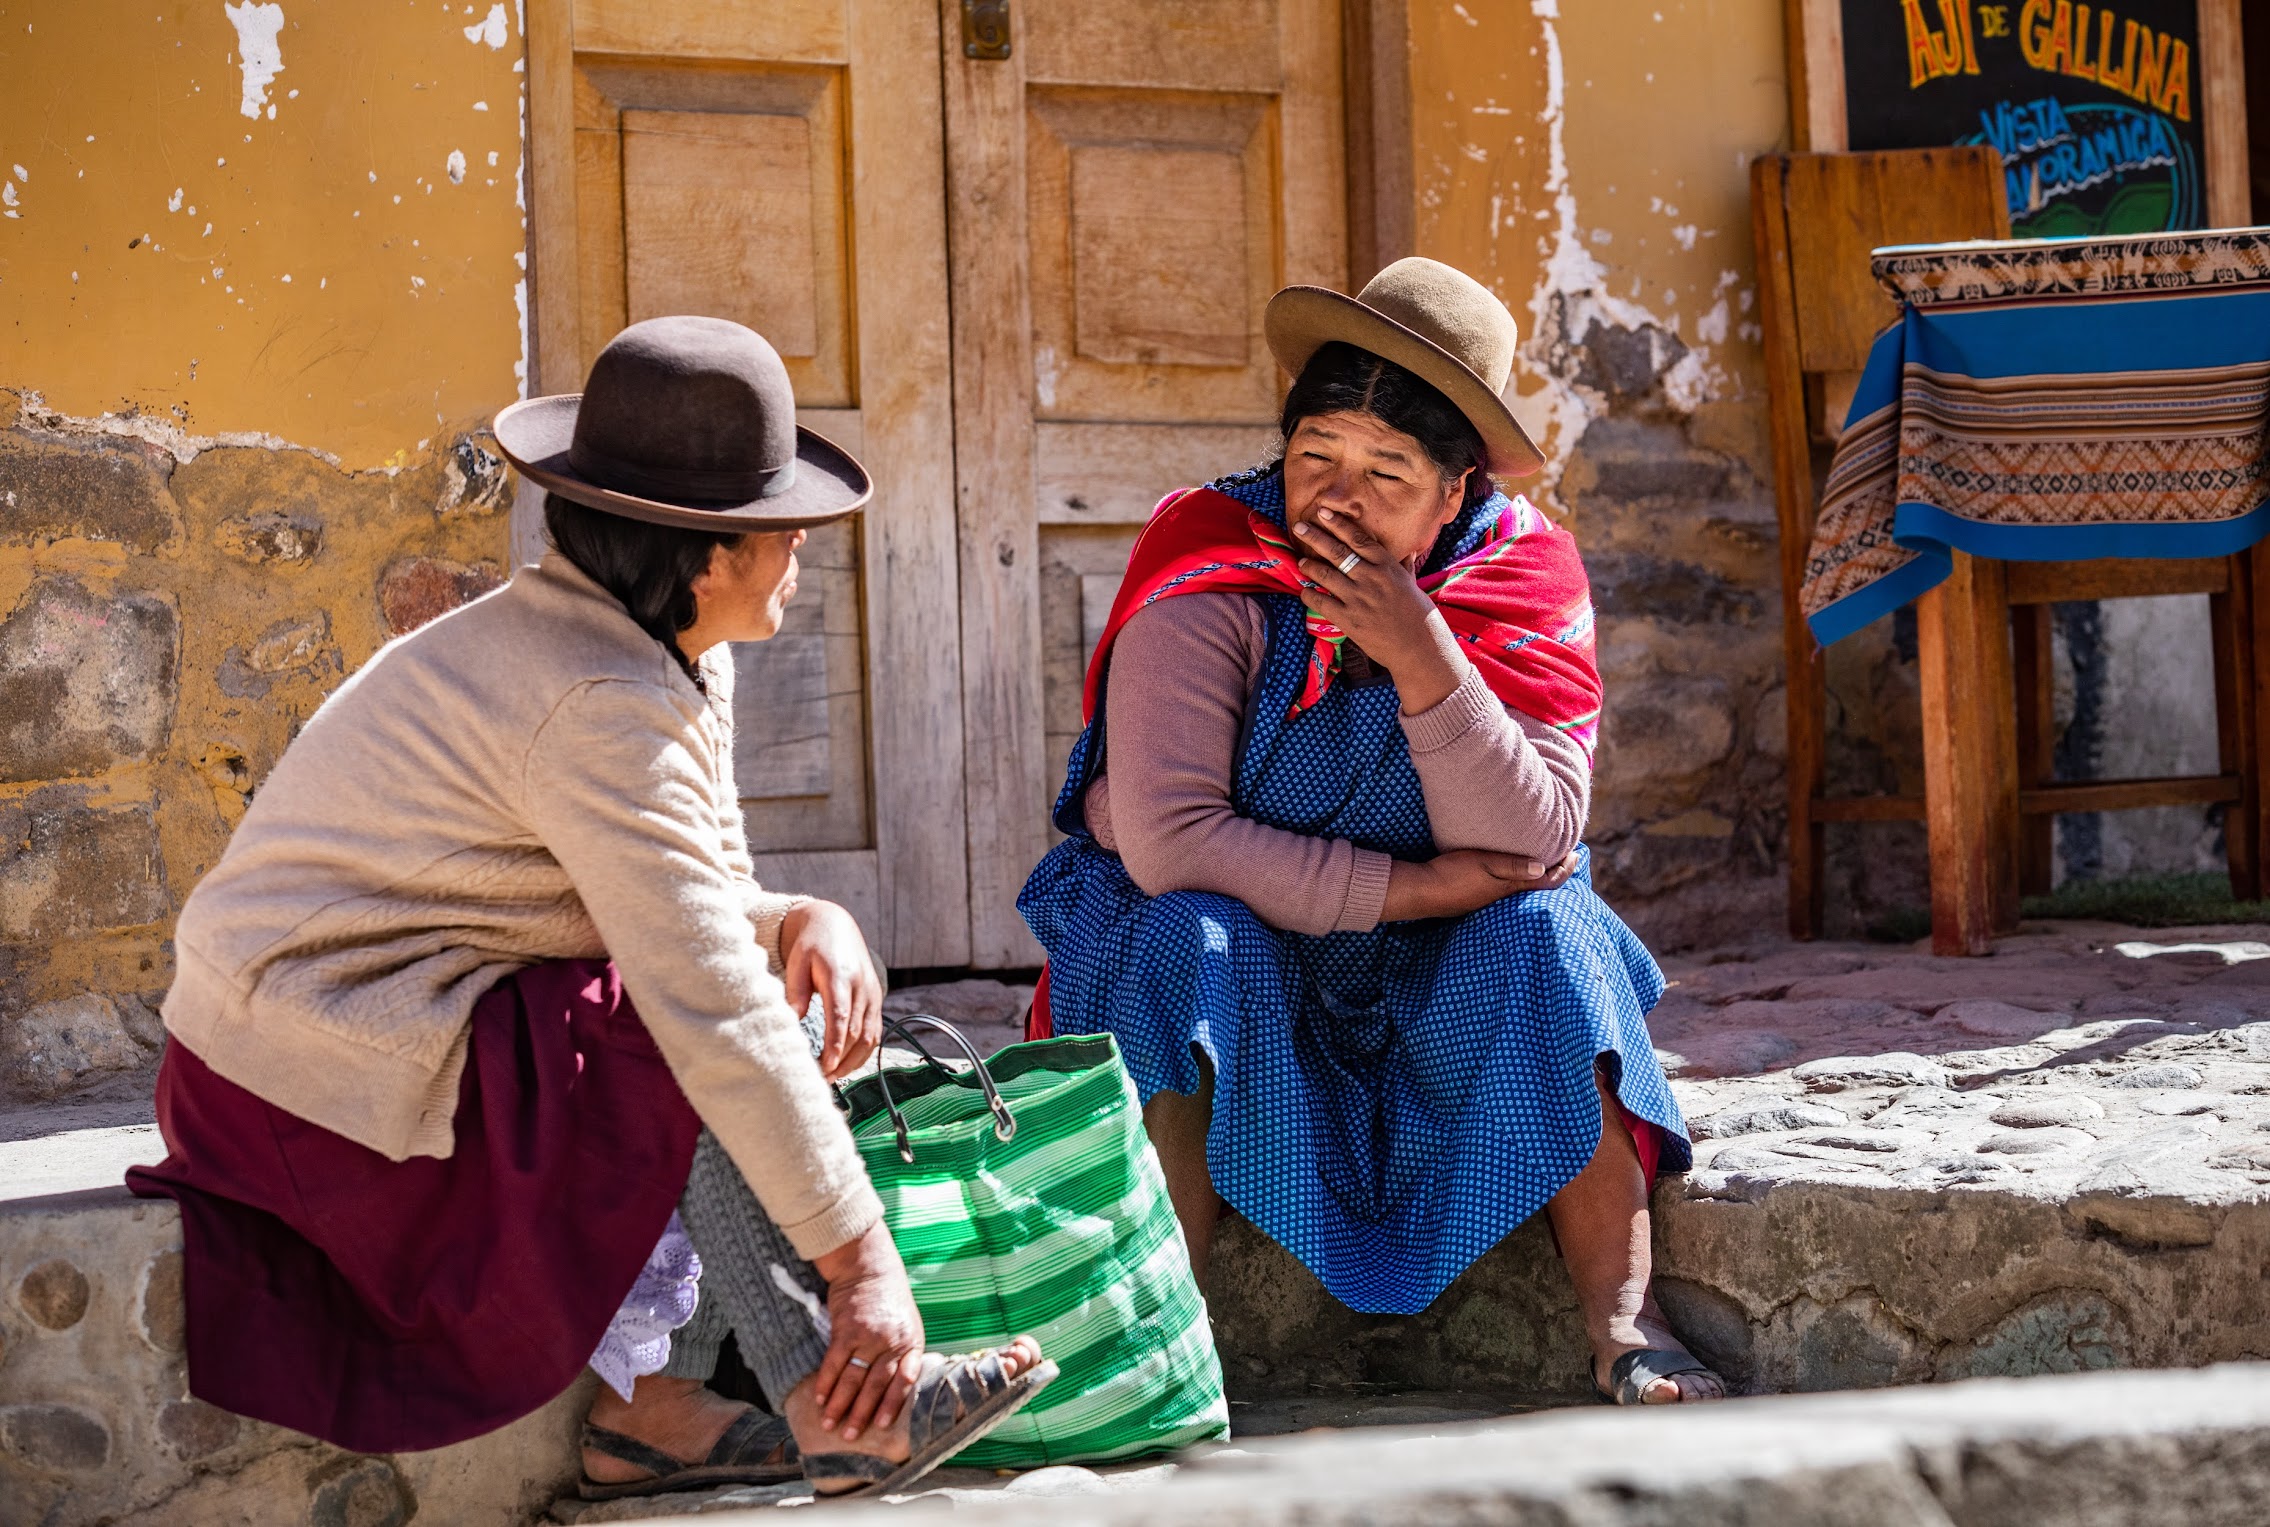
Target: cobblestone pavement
x,y
2078,1059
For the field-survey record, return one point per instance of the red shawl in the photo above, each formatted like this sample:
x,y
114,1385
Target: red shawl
x,y
1520,606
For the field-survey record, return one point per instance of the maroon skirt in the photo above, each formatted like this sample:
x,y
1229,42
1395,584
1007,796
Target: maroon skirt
x,y
389,1306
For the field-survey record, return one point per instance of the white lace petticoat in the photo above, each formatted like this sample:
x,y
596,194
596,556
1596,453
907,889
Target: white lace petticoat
x,y
661,1300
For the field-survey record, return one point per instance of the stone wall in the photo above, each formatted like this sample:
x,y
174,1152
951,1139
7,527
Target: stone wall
x,y
171,611
264,274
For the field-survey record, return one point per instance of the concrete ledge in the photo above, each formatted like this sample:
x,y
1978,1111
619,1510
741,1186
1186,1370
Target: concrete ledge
x,y
2105,1450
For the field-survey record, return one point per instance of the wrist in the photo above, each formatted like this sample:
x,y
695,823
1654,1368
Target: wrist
x,y
871,1254
1409,884
1431,671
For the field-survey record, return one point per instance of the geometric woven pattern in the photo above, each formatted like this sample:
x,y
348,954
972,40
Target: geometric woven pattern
x,y
2050,402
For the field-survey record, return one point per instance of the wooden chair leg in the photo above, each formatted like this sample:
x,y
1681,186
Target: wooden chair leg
x,y
2035,673
1969,757
2226,619
2246,830
1808,846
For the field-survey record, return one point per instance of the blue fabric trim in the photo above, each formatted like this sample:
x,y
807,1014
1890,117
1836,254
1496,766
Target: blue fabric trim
x,y
1928,527
2136,334
1931,532
1873,602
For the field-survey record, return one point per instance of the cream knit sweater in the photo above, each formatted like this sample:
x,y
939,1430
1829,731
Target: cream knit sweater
x,y
529,778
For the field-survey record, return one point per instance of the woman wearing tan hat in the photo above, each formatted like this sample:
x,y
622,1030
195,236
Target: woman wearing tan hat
x,y
488,1061
1324,879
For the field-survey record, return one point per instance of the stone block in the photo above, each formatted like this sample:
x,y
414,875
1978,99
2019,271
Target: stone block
x,y
474,479
1648,463
194,1429
271,539
160,1317
58,1439
97,488
52,1048
54,1294
68,867
298,646
1627,363
360,1492
415,590
87,679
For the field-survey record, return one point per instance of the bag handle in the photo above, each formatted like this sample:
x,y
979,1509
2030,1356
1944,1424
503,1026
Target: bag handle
x,y
1004,1123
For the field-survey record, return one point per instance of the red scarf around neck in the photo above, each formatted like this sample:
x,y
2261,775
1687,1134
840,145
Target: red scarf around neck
x,y
1520,606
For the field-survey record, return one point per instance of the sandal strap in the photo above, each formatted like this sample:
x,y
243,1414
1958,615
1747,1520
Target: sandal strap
x,y
952,1389
755,1437
631,1451
1642,1366
864,1466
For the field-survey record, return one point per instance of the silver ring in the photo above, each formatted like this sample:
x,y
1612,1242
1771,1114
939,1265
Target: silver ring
x,y
1347,564
859,1362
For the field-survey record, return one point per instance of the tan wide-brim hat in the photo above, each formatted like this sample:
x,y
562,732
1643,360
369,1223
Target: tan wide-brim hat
x,y
1434,321
685,421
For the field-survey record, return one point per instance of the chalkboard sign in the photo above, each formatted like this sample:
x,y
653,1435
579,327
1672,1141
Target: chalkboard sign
x,y
2096,110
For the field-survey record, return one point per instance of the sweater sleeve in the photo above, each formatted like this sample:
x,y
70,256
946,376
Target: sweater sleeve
x,y
1181,673
623,787
1496,779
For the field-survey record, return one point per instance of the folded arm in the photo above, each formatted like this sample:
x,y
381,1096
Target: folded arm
x,y
1181,676
1497,779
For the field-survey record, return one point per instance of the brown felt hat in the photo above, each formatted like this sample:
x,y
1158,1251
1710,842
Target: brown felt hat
x,y
1438,323
690,422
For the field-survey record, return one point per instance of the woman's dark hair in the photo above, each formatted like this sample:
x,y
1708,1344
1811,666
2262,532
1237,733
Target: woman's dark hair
x,y
1340,378
650,569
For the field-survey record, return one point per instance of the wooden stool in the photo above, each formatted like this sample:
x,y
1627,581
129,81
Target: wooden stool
x,y
1982,636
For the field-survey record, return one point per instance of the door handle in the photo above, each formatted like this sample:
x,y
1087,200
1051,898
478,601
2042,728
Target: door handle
x,y
985,29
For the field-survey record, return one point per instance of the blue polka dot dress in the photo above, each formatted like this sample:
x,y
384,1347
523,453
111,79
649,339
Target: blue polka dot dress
x,y
1388,1105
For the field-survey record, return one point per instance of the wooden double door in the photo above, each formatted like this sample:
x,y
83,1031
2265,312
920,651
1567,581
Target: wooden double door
x,y
1023,283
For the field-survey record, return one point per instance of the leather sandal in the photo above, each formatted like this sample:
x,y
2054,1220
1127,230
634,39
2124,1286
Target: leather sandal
x,y
958,1399
1630,1375
757,1449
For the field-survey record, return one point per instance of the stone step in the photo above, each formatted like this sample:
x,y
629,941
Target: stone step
x,y
2053,1159
2110,1449
1911,1170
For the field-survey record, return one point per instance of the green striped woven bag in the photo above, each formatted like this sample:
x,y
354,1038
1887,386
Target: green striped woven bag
x,y
1035,1205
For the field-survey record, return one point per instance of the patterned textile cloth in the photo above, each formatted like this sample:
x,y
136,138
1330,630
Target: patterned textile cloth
x,y
1517,600
1389,1104
2050,401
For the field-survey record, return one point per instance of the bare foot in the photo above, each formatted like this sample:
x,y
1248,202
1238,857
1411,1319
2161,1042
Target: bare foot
x,y
682,1417
892,1443
1649,1330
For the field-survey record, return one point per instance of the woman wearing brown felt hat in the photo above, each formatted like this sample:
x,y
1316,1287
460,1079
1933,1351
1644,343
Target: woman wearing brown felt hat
x,y
485,1031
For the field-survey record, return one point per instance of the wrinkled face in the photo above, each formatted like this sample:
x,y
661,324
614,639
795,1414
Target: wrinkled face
x,y
1383,479
746,588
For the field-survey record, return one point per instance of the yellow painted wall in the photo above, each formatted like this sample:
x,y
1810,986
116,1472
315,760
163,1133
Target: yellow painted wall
x,y
338,269
261,286
1589,160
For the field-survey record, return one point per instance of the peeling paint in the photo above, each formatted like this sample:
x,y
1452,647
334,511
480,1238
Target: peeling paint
x,y
166,434
260,54
490,29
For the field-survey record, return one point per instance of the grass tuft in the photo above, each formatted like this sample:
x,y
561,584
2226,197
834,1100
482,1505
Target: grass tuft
x,y
2150,901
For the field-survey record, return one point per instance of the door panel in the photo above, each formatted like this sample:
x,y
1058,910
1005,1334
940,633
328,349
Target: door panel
x,y
728,157
1126,190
